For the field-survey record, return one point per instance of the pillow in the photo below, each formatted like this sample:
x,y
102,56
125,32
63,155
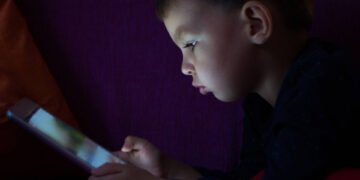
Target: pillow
x,y
23,73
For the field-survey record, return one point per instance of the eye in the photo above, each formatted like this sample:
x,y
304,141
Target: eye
x,y
191,44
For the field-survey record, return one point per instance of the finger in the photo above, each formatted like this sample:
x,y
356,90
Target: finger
x,y
106,169
123,155
133,143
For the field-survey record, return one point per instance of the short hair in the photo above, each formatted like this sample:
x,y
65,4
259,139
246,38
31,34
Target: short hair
x,y
296,14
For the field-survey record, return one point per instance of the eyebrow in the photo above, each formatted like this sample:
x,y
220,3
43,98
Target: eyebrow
x,y
178,33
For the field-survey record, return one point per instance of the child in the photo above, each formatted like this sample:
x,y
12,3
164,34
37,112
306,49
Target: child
x,y
300,93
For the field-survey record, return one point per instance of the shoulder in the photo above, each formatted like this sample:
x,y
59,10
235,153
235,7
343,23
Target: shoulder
x,y
320,68
313,119
321,82
320,61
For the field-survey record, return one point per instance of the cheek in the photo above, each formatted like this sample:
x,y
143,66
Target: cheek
x,y
244,74
211,64
208,72
232,71
224,64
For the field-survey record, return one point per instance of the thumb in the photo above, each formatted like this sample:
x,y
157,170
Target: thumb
x,y
128,144
132,143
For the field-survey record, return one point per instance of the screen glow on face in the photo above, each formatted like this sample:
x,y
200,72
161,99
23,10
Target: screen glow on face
x,y
70,139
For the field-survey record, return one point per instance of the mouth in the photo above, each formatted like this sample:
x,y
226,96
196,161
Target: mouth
x,y
202,89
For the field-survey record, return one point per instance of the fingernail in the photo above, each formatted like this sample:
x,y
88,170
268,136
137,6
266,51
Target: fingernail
x,y
124,149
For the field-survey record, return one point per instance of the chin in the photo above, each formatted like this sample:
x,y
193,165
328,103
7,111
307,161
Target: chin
x,y
226,98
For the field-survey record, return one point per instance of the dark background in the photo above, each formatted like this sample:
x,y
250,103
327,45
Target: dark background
x,y
120,74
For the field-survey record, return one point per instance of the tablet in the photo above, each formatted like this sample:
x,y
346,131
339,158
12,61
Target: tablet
x,y
60,136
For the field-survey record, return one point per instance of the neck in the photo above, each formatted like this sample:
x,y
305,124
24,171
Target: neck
x,y
277,59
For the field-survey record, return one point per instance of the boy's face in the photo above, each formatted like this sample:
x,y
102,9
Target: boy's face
x,y
216,52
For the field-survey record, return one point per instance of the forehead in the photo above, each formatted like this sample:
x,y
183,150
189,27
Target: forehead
x,y
181,6
184,15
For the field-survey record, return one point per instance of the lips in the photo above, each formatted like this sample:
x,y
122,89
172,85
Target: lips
x,y
202,89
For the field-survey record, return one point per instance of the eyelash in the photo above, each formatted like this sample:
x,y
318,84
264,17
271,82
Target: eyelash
x,y
191,44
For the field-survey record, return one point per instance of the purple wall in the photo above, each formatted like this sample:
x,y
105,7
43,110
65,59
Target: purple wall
x,y
120,73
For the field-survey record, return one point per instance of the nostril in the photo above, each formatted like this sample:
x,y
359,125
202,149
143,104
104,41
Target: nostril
x,y
187,68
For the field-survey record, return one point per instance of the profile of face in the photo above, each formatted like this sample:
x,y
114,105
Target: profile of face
x,y
216,48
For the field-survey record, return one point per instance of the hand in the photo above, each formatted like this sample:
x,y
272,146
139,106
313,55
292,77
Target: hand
x,y
142,154
114,171
145,155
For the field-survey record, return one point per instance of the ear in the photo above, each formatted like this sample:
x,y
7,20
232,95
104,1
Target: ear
x,y
258,21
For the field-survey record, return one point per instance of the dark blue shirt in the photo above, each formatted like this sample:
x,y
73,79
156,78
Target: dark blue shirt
x,y
314,126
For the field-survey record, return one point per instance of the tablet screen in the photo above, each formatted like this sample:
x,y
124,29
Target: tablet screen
x,y
70,139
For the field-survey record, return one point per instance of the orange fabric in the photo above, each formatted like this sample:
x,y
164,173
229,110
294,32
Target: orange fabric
x,y
23,73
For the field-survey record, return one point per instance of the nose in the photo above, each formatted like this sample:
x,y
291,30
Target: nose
x,y
187,68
